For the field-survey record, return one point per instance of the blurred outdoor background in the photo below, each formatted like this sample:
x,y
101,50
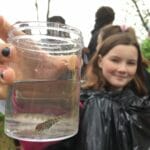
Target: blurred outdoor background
x,y
81,13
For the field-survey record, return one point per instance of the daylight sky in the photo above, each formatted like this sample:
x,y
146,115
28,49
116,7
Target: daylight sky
x,y
77,13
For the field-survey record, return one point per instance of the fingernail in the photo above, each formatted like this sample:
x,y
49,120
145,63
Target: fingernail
x,y
1,75
6,51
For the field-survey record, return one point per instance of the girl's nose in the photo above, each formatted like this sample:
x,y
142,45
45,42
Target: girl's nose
x,y
122,68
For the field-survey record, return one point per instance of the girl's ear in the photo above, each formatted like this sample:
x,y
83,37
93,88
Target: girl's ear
x,y
99,61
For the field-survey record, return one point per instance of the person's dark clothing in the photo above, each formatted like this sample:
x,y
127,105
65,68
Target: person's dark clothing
x,y
92,44
105,15
117,120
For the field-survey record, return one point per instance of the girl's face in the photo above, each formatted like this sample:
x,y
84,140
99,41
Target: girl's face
x,y
119,65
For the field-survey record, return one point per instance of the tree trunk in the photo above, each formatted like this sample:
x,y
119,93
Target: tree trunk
x,y
48,10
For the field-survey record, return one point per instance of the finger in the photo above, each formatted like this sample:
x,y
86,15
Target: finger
x,y
7,75
5,27
7,53
3,91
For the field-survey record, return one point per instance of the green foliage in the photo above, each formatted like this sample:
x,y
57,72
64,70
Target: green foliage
x,y
145,47
6,143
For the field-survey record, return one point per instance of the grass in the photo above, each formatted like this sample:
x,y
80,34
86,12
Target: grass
x,y
6,143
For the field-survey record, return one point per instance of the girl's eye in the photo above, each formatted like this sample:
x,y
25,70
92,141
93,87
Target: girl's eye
x,y
133,63
115,60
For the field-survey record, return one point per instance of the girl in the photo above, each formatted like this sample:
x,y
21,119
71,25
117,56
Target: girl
x,y
114,118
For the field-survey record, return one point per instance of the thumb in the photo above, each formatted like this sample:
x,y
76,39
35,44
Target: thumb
x,y
4,28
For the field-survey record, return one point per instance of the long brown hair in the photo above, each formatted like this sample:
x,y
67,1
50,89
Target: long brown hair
x,y
94,78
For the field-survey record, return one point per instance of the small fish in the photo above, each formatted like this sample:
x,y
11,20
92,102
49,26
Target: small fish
x,y
47,124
